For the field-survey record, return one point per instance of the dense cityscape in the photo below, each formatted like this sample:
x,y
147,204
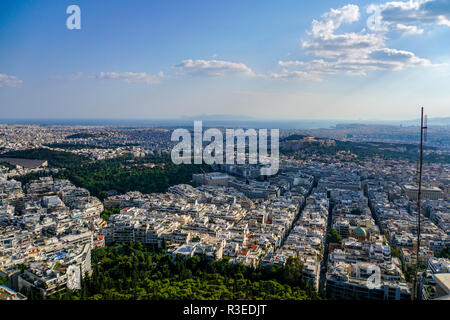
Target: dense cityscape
x,y
330,218
224,159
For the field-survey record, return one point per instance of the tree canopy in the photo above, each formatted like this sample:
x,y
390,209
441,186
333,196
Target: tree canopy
x,y
333,236
133,271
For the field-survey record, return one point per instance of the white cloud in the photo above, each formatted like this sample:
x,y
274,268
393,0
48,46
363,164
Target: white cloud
x,y
408,29
380,59
291,63
132,77
214,68
9,81
352,53
413,13
288,75
333,19
343,45
326,43
400,57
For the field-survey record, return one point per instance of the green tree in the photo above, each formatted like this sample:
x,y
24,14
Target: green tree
x,y
444,253
395,253
333,236
134,271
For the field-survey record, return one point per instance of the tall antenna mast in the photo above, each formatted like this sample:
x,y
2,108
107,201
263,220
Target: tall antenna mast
x,y
423,136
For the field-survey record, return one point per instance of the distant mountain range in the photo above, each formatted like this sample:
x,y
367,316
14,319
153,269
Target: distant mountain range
x,y
431,121
443,121
223,120
219,117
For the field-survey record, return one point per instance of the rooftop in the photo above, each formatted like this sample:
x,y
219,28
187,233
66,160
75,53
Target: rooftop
x,y
443,279
26,163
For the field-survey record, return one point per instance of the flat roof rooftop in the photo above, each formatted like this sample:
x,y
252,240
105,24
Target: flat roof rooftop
x,y
26,163
424,188
443,279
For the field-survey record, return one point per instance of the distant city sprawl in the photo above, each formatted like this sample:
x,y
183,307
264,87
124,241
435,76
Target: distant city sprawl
x,y
337,221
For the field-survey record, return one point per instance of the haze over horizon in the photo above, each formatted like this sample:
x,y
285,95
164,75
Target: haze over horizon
x,y
220,117
327,60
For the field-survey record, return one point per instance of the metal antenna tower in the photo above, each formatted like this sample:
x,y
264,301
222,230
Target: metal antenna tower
x,y
423,137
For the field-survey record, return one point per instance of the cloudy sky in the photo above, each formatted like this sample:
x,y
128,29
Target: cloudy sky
x,y
288,59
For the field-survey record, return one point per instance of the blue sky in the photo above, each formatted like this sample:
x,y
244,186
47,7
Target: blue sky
x,y
287,59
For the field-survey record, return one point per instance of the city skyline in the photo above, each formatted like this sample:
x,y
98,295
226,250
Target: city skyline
x,y
224,158
296,60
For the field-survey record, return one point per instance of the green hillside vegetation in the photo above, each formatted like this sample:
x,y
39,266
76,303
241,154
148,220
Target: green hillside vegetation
x,y
121,174
131,271
368,149
83,135
294,137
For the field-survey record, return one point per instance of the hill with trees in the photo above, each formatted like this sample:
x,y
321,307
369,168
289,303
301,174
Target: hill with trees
x,y
132,271
121,174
